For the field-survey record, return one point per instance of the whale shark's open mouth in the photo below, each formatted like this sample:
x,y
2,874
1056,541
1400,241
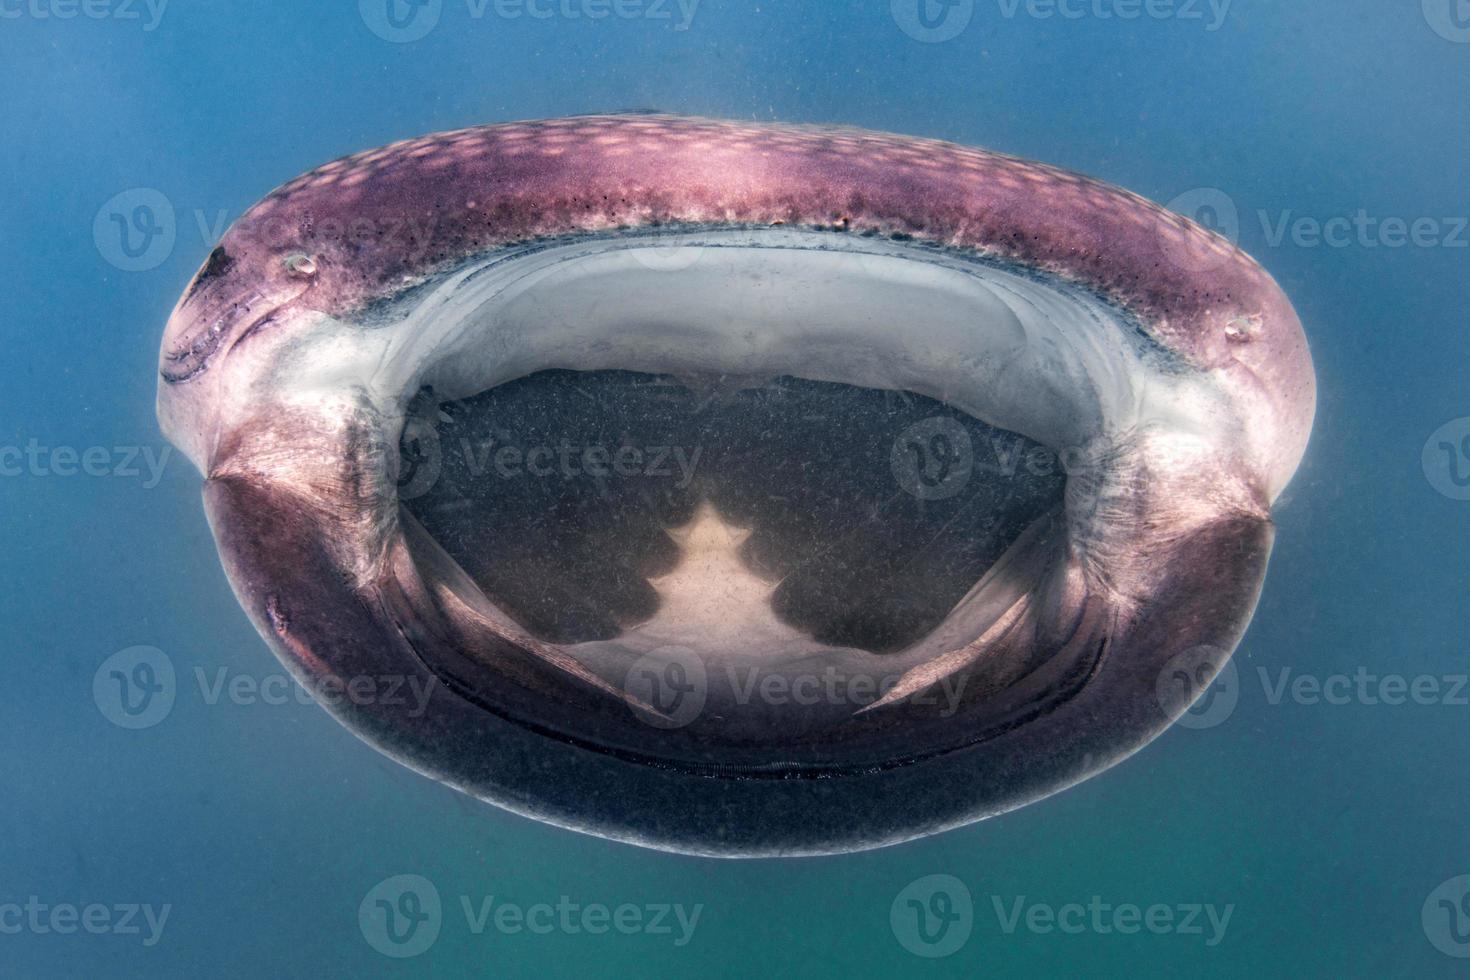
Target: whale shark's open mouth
x,y
737,488
750,502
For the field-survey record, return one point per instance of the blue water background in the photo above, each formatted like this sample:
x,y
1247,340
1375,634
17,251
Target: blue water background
x,y
262,826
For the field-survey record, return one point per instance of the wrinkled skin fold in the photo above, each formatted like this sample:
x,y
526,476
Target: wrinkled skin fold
x,y
808,636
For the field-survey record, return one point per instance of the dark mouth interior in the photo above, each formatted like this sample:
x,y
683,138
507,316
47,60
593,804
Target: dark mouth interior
x,y
868,514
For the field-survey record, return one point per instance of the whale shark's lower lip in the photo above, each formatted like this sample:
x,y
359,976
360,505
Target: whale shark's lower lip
x,y
680,517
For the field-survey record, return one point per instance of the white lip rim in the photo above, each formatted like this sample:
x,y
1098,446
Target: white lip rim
x,y
430,335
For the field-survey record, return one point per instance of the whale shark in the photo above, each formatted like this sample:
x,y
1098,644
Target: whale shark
x,y
737,489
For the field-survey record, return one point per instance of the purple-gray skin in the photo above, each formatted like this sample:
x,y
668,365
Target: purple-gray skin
x,y
1038,302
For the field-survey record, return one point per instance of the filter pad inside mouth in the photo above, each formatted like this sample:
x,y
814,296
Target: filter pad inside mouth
x,y
591,506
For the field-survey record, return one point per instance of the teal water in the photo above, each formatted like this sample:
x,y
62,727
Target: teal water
x,y
1329,828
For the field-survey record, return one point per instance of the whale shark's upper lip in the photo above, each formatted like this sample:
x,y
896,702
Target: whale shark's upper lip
x,y
383,220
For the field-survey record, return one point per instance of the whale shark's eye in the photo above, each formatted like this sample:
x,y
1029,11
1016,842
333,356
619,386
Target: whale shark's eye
x,y
299,264
746,528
